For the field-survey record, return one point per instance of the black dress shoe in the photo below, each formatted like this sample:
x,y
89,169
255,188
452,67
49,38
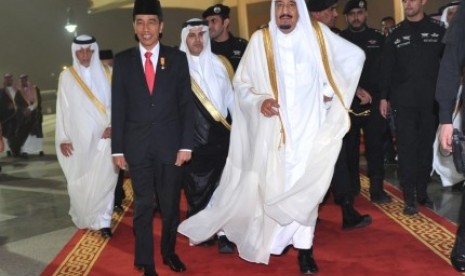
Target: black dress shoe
x,y
208,243
426,202
381,198
106,233
307,264
174,263
147,270
357,222
457,256
410,210
225,246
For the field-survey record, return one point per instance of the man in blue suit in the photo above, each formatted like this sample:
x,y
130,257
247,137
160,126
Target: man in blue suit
x,y
152,130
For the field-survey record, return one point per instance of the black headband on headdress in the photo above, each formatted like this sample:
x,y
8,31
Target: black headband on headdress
x,y
195,23
84,42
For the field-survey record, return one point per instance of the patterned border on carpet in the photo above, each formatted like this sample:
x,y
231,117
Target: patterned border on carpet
x,y
86,252
432,234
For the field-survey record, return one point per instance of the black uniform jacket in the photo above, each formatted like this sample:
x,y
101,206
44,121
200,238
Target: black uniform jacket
x,y
410,63
371,42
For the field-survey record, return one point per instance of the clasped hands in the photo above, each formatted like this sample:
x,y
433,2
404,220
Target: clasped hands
x,y
181,158
67,148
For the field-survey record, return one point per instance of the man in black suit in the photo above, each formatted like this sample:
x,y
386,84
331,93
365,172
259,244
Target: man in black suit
x,y
152,124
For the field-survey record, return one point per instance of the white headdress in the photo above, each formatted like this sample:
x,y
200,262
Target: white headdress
x,y
94,75
449,6
207,69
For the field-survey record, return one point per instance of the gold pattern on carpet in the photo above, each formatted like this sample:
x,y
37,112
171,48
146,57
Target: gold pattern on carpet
x,y
436,237
86,252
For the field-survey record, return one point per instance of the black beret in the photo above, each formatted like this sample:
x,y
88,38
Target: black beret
x,y
355,4
217,9
152,7
320,5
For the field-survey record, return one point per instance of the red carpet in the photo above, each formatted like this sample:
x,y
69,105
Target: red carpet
x,y
393,245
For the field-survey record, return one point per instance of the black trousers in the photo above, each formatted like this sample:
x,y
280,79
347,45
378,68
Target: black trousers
x,y
119,192
416,130
340,184
151,177
374,130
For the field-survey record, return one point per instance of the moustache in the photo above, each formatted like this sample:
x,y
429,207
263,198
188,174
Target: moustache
x,y
285,15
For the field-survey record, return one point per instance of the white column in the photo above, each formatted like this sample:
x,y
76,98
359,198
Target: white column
x,y
398,11
243,20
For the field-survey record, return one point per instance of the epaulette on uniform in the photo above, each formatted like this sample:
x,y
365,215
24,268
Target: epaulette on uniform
x,y
241,40
378,31
396,26
435,21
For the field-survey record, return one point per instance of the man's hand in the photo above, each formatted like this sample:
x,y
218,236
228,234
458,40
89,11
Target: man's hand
x,y
183,157
364,96
120,162
269,108
327,99
445,136
384,108
66,149
107,133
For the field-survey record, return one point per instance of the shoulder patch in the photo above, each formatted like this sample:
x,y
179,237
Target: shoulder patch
x,y
241,40
397,26
438,22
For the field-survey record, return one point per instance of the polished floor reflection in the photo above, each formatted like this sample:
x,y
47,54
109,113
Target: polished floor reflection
x,y
34,220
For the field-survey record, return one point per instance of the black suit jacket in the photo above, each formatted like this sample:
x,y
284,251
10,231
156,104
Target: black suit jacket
x,y
162,122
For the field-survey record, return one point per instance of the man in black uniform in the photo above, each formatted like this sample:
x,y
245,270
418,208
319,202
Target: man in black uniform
x,y
365,104
222,41
387,23
411,59
451,71
325,12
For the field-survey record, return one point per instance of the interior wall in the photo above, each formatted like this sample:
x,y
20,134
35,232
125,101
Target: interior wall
x,y
21,52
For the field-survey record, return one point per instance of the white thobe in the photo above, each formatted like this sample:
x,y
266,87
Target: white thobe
x,y
89,171
269,192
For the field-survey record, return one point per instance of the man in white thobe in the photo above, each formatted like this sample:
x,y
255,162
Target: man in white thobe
x,y
289,120
214,105
83,137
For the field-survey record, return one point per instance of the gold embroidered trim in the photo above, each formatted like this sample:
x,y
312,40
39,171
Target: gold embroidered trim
x,y
272,74
217,116
227,65
87,91
324,56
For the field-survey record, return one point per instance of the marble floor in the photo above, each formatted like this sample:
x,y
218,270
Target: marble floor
x,y
34,220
